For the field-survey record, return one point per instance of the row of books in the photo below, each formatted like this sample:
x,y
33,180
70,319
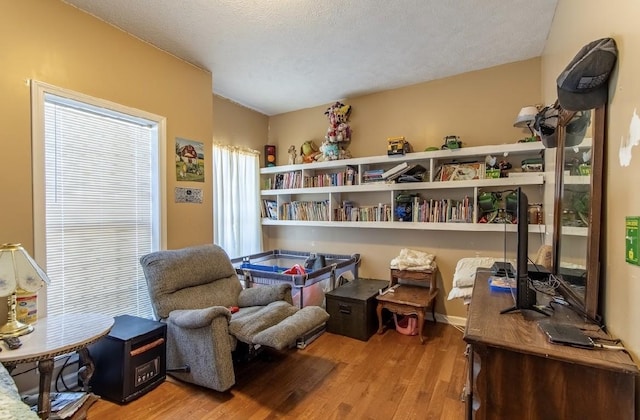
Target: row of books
x,y
269,209
444,210
372,175
348,177
350,213
294,179
284,181
305,210
421,210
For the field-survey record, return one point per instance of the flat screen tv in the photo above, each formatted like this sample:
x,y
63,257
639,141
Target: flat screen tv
x,y
525,296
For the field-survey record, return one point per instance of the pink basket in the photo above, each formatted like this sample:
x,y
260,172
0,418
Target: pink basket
x,y
407,325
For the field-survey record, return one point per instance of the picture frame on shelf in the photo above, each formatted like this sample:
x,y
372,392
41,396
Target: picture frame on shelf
x,y
462,171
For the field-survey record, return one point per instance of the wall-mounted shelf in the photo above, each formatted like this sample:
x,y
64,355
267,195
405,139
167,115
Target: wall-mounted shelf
x,y
342,186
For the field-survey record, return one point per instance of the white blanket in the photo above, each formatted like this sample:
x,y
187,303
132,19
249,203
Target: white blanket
x,y
413,260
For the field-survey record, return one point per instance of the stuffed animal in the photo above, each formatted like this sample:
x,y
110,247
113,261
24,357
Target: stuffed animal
x,y
330,151
309,151
338,132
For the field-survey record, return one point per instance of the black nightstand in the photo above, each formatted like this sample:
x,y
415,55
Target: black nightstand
x,y
352,308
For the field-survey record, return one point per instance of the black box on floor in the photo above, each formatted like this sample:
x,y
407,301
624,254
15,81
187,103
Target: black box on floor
x,y
131,360
352,308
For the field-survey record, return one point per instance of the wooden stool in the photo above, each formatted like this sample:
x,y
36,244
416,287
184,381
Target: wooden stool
x,y
412,298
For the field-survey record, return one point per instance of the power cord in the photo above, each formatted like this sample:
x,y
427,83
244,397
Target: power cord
x,y
548,287
60,376
609,347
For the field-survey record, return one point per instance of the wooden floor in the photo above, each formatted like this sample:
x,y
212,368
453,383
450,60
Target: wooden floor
x,y
391,376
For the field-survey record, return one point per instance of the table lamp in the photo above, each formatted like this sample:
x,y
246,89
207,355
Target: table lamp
x,y
18,273
525,118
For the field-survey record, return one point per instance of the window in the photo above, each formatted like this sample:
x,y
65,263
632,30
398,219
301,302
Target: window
x,y
97,201
236,208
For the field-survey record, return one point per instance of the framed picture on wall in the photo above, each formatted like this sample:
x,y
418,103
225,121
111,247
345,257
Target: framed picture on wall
x,y
189,160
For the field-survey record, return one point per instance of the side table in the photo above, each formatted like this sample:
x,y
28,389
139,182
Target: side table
x,y
352,308
411,298
54,336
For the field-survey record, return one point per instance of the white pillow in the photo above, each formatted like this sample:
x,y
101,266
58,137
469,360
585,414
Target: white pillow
x,y
460,292
465,273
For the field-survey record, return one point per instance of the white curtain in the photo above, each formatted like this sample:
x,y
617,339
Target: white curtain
x,y
236,200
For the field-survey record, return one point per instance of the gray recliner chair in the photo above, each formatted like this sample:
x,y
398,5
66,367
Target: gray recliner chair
x,y
193,289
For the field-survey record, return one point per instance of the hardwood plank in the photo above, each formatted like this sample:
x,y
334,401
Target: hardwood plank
x,y
391,376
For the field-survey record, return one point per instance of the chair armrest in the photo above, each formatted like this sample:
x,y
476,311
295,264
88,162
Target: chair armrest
x,y
198,318
264,295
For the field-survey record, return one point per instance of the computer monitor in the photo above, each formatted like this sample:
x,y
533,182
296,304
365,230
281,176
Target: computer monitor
x,y
525,296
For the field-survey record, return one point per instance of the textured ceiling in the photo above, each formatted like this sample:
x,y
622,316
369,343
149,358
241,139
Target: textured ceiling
x,y
276,56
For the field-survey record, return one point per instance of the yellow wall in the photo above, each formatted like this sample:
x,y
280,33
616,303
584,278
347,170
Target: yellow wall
x,y
57,44
480,107
238,126
576,23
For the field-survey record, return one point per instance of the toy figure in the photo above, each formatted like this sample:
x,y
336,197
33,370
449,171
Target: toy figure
x,y
292,155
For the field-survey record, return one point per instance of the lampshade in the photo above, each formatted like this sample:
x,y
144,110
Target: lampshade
x,y
526,116
18,272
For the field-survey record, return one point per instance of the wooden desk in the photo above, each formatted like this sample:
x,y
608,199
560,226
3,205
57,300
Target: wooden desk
x,y
54,336
413,298
514,372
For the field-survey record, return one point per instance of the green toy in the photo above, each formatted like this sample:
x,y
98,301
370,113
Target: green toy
x,y
452,142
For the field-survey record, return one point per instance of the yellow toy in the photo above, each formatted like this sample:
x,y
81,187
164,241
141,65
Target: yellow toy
x,y
309,151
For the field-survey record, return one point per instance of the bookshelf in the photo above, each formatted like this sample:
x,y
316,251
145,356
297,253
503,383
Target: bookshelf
x,y
350,193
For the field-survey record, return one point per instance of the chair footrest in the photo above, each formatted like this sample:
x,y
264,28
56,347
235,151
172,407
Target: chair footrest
x,y
286,332
310,336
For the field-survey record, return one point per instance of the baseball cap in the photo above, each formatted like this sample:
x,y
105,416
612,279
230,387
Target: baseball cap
x,y
546,123
583,84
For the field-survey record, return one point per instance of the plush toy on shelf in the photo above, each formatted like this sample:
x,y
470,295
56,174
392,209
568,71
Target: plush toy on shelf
x,y
309,151
338,133
330,151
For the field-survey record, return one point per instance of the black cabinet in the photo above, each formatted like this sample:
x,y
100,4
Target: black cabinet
x,y
130,361
352,308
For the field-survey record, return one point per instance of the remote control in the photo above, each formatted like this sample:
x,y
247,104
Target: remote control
x,y
12,342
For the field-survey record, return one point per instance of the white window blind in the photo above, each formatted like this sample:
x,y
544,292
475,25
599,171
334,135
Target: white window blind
x,y
101,215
